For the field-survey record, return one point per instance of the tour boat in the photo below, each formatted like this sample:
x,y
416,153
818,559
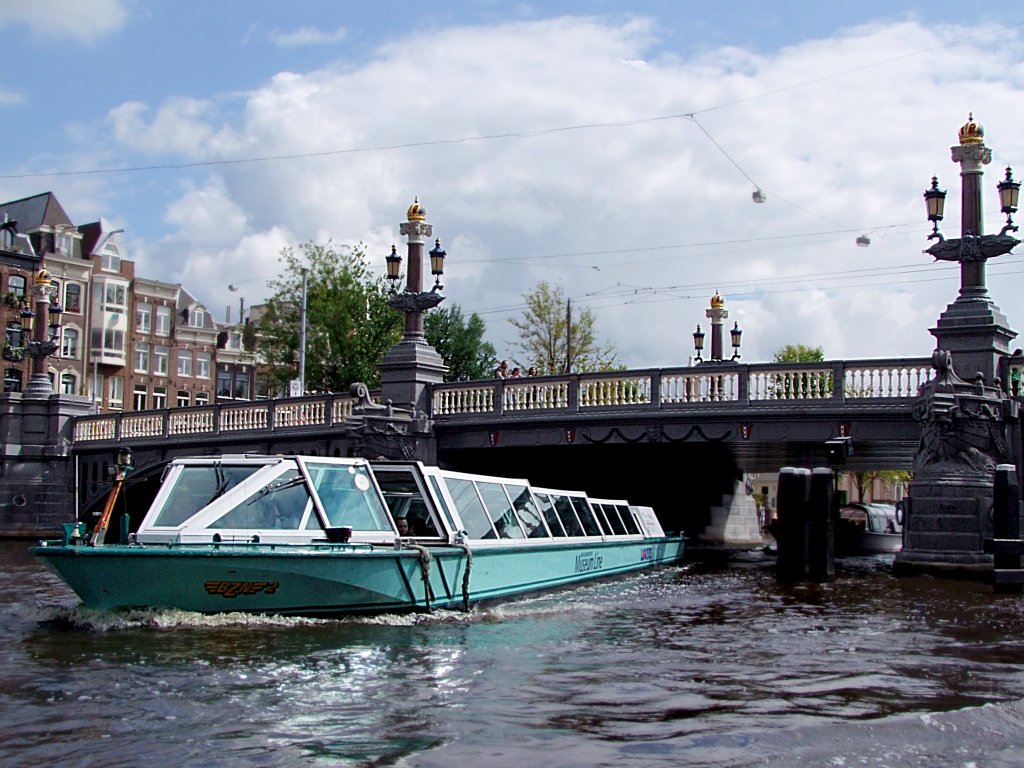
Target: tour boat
x,y
320,536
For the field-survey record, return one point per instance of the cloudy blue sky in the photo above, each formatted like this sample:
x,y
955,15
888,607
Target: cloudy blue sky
x,y
609,147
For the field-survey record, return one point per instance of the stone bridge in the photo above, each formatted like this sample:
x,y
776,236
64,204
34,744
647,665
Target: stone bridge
x,y
676,438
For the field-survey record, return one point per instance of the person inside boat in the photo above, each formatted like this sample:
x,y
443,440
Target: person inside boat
x,y
403,526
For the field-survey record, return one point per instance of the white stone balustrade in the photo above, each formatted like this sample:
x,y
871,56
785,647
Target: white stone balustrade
x,y
703,387
615,391
142,424
462,398
885,381
810,383
243,418
190,421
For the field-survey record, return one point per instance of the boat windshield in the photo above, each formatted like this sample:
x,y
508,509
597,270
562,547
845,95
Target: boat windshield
x,y
279,505
197,486
347,496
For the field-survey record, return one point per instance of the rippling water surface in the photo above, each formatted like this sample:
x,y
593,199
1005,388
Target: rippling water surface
x,y
692,665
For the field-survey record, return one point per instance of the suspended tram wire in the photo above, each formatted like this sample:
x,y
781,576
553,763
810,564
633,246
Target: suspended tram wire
x,y
525,134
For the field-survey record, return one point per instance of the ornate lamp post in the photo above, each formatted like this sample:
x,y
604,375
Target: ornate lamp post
x,y
716,314
42,345
972,328
412,364
737,334
698,344
969,425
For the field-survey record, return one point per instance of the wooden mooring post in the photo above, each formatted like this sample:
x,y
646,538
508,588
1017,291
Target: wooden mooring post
x,y
806,550
1006,545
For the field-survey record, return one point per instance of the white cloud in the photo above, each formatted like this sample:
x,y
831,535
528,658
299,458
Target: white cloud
x,y
305,36
82,20
644,221
9,98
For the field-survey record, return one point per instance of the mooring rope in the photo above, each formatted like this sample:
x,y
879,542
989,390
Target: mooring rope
x,y
465,575
425,559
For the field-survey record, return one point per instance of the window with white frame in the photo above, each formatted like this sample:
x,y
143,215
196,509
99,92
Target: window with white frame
x,y
202,398
73,298
115,395
113,340
143,318
142,356
69,342
241,390
223,383
184,398
184,362
161,356
139,397
111,258
196,317
115,296
16,286
159,397
163,321
68,383
62,244
202,365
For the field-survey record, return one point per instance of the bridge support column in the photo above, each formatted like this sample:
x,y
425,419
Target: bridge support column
x,y
37,475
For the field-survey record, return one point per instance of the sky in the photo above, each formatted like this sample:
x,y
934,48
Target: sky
x,y
610,148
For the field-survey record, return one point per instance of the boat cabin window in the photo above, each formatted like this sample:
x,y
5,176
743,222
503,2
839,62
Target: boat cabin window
x,y
506,523
280,505
475,521
614,522
547,508
526,508
586,516
627,519
567,515
347,496
405,499
197,486
443,504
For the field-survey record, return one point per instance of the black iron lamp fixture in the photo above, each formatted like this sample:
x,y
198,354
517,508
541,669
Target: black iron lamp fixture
x,y
394,262
736,333
935,202
1009,193
26,313
698,343
125,460
437,256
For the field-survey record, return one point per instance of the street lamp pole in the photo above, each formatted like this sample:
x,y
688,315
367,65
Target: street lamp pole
x,y
412,365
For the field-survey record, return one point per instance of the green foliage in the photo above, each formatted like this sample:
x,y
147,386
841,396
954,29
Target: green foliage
x,y
460,343
349,324
799,353
862,481
543,338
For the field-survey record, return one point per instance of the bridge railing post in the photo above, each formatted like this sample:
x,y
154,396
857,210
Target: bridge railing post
x,y
743,385
792,530
839,381
574,394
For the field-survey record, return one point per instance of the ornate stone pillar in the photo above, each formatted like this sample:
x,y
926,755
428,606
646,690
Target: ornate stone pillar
x,y
717,315
412,364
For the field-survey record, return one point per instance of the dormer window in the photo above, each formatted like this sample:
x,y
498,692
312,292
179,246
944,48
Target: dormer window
x,y
196,317
111,258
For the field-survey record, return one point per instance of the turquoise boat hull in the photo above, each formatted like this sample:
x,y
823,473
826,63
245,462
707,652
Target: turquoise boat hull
x,y
332,579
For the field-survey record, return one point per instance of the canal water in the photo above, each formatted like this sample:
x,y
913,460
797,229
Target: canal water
x,y
695,665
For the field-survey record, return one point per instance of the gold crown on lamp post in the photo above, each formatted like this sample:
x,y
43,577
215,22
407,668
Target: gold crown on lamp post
x,y
717,302
416,212
972,132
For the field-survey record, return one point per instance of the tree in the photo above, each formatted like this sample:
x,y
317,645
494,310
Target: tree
x,y
543,339
460,343
799,353
801,383
349,324
862,481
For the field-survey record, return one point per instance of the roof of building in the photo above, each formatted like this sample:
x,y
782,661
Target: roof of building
x,y
31,213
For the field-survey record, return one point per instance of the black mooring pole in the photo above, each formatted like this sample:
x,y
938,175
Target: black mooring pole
x,y
821,565
794,486
1006,560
